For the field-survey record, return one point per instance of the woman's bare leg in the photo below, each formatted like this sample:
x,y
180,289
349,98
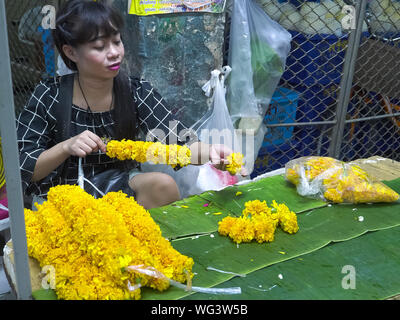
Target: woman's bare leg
x,y
154,189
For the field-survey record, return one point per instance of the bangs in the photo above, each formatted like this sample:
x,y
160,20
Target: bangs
x,y
95,20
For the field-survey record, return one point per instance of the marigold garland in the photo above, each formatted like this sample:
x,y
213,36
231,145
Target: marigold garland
x,y
340,181
91,241
259,222
155,152
159,153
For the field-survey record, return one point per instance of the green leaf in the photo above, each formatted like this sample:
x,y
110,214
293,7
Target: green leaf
x,y
266,66
268,189
318,275
178,221
318,228
320,224
44,294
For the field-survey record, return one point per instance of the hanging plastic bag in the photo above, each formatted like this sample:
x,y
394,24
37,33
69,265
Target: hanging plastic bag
x,y
259,47
216,127
336,181
216,124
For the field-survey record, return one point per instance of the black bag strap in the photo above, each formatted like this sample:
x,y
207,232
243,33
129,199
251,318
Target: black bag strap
x,y
62,113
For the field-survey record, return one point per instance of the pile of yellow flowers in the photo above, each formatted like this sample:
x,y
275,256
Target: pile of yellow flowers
x,y
155,152
235,163
92,242
340,181
259,222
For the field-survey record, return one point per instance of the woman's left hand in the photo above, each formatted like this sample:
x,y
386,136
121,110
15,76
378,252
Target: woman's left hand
x,y
218,158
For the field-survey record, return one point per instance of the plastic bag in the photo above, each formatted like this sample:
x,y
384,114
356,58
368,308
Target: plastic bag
x,y
215,127
62,68
259,47
336,181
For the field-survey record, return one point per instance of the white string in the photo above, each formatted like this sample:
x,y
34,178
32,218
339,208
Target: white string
x,y
102,194
227,272
3,207
152,272
82,179
80,174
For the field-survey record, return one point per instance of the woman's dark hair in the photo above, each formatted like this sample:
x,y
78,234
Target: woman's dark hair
x,y
82,21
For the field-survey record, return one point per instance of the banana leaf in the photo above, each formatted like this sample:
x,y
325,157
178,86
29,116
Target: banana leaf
x,y
319,275
193,215
268,189
190,216
318,228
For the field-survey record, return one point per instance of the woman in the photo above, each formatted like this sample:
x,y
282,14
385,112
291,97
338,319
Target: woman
x,y
105,104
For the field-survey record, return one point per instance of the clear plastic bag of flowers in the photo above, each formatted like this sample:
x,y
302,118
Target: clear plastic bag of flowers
x,y
336,181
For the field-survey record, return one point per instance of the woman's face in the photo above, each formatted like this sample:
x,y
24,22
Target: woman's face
x,y
100,58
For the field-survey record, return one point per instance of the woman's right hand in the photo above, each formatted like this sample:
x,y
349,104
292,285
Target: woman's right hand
x,y
83,144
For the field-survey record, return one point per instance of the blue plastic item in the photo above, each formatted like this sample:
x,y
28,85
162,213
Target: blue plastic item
x,y
315,59
48,51
282,109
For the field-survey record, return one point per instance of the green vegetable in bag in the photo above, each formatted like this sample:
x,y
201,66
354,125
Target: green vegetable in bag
x,y
266,65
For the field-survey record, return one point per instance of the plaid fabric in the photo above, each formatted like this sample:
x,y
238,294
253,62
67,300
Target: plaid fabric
x,y
36,131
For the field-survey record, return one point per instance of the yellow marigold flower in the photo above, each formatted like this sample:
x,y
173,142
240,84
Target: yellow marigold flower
x,y
91,242
235,162
333,195
255,207
242,230
341,182
258,222
225,225
264,228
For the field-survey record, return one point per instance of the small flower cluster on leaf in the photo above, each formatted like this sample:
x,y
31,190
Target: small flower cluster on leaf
x,y
259,222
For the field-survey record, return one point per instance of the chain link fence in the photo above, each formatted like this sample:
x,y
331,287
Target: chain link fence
x,y
339,95
32,53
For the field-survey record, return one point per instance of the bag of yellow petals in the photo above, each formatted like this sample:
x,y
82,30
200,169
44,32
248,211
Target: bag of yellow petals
x,y
336,181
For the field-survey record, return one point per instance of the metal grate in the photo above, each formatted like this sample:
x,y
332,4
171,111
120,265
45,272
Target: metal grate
x,y
31,51
345,82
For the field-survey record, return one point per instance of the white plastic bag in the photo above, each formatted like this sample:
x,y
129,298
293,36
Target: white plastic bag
x,y
215,127
62,68
336,181
258,50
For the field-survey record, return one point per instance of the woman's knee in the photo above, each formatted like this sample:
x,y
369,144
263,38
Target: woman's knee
x,y
156,186
164,183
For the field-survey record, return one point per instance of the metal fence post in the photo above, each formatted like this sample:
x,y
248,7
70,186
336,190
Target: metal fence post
x,y
11,164
347,80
